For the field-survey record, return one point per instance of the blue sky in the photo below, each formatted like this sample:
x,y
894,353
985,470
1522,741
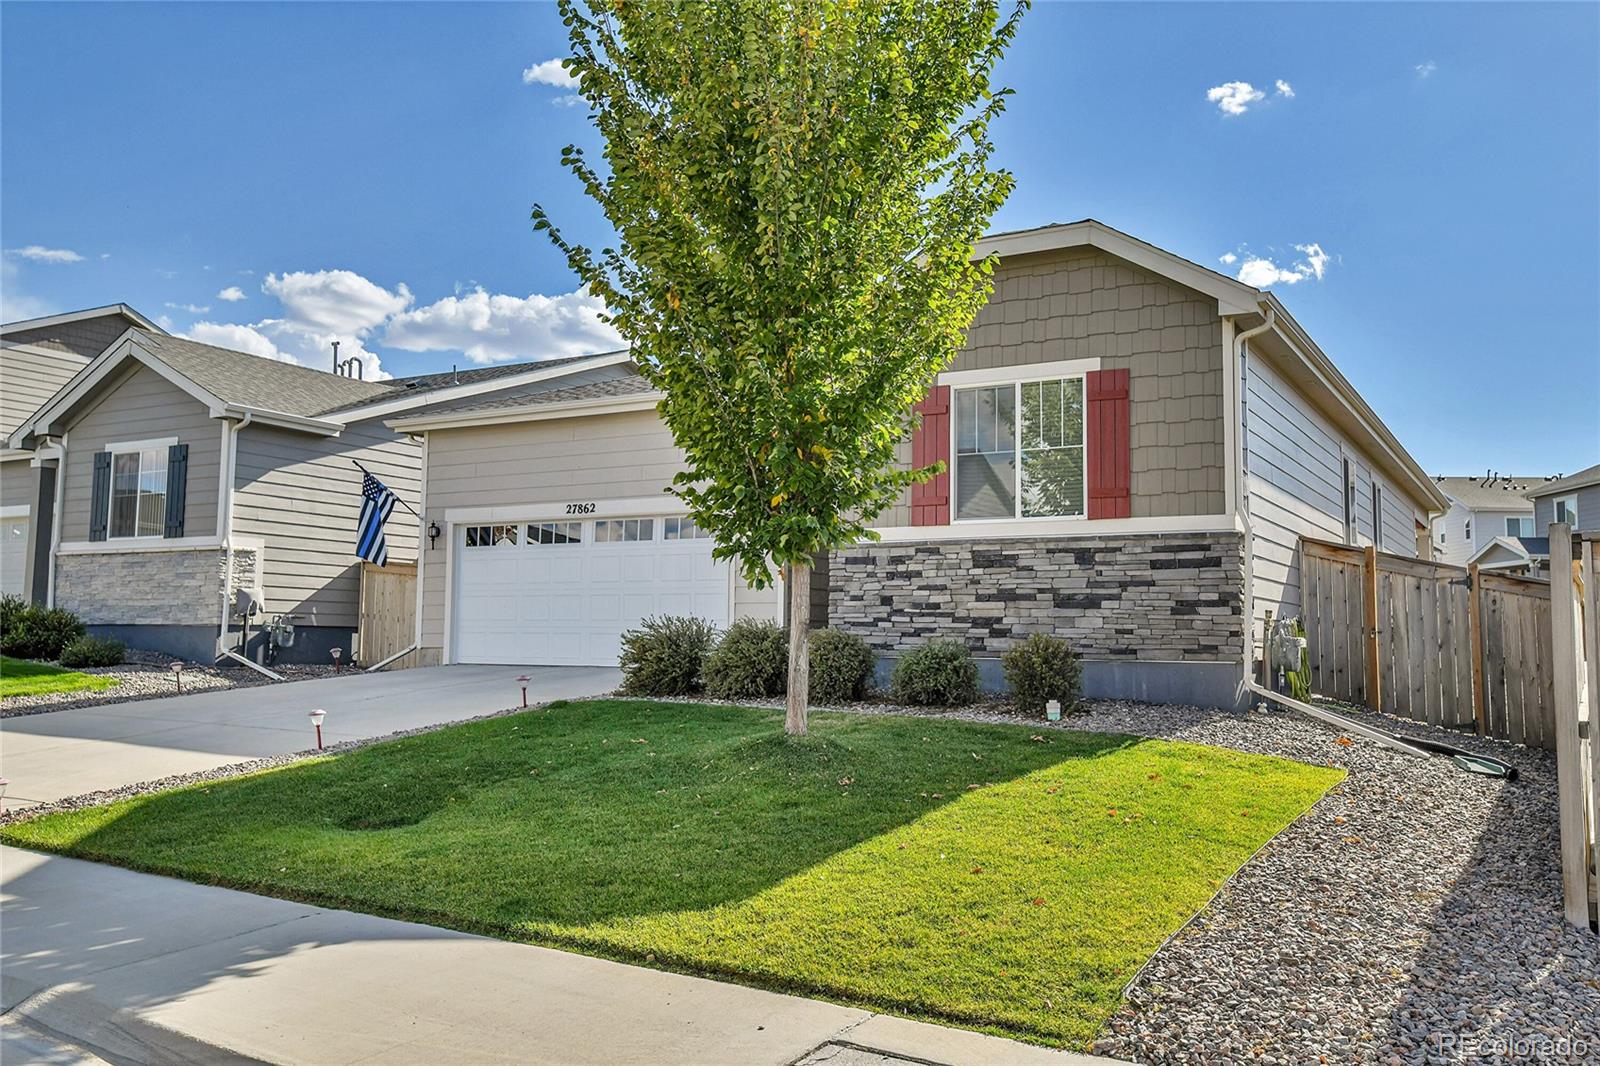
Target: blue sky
x,y
1427,201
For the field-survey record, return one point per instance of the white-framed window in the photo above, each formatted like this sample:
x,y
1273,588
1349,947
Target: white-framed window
x,y
624,530
1349,501
491,536
1466,532
1018,449
1377,514
555,533
675,527
1519,527
138,504
1566,509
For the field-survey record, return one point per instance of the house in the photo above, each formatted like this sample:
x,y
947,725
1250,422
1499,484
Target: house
x,y
37,357
186,474
1574,499
1489,522
1135,446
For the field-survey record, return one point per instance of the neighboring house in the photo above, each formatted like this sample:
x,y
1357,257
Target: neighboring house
x,y
1490,521
1574,499
1136,446
188,473
37,357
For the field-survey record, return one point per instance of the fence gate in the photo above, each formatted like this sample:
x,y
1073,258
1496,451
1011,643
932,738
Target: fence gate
x,y
388,614
1447,645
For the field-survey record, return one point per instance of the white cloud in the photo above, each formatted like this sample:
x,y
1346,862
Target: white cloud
x,y
1228,259
1263,273
233,294
336,300
15,305
492,328
38,253
1234,97
1284,88
1426,69
569,100
191,308
550,72
239,338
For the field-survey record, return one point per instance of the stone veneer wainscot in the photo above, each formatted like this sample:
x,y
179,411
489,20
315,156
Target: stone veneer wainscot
x,y
154,588
1170,596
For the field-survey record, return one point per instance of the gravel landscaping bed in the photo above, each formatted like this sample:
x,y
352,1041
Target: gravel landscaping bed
x,y
1413,915
146,676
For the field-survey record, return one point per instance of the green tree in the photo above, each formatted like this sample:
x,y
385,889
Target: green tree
x,y
796,187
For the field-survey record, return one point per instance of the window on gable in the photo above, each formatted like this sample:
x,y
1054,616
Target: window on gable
x,y
138,493
1030,466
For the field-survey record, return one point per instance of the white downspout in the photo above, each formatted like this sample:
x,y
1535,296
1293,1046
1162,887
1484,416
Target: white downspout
x,y
1248,609
225,524
55,520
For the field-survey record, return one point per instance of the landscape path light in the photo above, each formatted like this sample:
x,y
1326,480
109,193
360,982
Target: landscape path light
x,y
316,717
524,679
177,674
336,653
1052,710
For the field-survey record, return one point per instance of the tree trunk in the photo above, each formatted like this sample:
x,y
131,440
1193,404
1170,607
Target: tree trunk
x,y
799,588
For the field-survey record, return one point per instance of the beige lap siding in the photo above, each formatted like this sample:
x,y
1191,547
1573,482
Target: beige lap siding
x,y
144,406
302,495
28,379
1086,304
604,457
16,484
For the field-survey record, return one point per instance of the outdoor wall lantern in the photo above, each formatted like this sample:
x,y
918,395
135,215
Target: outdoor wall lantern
x,y
316,717
433,533
177,675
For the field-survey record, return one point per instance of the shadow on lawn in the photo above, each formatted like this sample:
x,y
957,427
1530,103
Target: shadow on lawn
x,y
574,815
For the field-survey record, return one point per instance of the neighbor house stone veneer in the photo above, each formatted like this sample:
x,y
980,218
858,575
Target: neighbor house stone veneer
x,y
155,588
1173,596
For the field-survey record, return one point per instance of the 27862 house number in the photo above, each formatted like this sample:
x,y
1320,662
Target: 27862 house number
x,y
580,508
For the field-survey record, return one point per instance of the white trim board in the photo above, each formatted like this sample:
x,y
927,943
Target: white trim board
x,y
139,545
1019,372
26,324
628,507
456,392
16,510
533,412
140,445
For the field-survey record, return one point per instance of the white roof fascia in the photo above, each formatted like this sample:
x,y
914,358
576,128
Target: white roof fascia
x,y
478,388
604,405
78,316
1233,297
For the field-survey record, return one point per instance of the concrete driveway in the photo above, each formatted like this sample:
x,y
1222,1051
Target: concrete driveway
x,y
67,753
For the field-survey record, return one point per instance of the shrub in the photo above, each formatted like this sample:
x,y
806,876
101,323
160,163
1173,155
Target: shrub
x,y
93,651
665,656
29,631
941,674
1040,669
841,663
751,661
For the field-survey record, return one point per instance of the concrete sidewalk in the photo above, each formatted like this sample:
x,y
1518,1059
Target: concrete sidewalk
x,y
147,969
67,753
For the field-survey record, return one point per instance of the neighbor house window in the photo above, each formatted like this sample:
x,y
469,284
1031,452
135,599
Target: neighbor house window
x,y
1019,450
1519,527
138,492
1466,533
1567,509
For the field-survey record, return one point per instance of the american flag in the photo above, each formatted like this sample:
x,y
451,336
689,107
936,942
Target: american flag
x,y
376,503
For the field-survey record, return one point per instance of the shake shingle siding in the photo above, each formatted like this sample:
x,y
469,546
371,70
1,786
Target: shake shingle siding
x,y
85,338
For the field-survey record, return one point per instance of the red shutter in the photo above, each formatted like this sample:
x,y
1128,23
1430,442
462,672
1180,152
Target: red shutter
x,y
930,443
1109,480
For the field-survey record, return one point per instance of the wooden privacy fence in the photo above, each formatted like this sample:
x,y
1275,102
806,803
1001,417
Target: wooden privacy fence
x,y
1575,644
1441,644
388,622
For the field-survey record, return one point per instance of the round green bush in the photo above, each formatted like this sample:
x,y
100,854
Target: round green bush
x,y
1040,669
751,661
29,631
841,663
940,674
665,656
93,651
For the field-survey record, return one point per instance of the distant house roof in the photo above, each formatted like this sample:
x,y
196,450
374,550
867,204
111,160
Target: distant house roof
x,y
1506,552
1490,492
591,397
27,325
1571,483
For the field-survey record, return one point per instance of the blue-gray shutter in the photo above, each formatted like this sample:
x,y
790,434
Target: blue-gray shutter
x,y
177,488
100,501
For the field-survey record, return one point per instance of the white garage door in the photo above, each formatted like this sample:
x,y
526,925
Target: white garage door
x,y
562,593
13,554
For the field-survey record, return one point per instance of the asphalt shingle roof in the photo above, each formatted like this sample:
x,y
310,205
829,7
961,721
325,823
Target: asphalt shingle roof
x,y
251,381
1589,475
1484,493
631,385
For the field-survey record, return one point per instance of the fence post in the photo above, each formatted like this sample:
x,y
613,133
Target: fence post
x,y
1591,655
1475,608
1369,605
1569,756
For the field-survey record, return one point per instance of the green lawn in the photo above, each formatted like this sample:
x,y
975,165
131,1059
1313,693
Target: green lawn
x,y
999,877
24,677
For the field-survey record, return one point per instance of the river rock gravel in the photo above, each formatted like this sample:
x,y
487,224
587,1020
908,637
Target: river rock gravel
x,y
145,675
